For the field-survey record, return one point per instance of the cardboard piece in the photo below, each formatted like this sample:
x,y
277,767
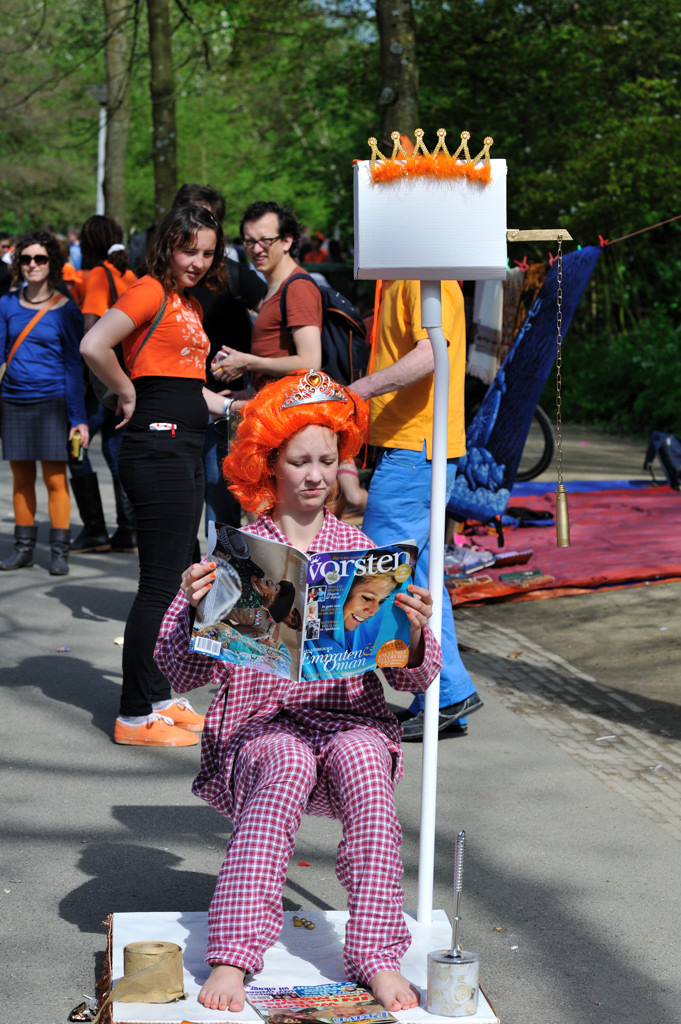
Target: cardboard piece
x,y
430,230
299,956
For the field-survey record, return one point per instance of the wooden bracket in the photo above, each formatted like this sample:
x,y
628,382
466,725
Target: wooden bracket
x,y
538,235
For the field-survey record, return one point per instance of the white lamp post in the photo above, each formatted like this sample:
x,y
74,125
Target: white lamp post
x,y
431,231
99,93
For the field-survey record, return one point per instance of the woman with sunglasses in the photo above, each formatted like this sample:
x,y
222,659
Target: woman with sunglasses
x,y
165,408
42,401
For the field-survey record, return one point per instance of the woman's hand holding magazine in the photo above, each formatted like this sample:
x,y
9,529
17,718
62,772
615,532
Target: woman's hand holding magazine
x,y
418,606
197,581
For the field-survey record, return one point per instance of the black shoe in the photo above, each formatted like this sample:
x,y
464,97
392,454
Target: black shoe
x,y
412,728
59,552
455,730
124,541
93,536
24,542
89,541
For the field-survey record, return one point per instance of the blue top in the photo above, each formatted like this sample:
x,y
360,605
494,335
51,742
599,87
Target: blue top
x,y
47,364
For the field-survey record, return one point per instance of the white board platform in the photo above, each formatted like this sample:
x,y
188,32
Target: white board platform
x,y
430,230
301,956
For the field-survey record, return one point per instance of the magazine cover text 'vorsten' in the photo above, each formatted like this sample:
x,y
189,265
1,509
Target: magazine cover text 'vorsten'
x,y
296,616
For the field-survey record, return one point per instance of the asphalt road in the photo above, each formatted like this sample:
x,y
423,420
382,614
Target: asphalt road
x,y
567,785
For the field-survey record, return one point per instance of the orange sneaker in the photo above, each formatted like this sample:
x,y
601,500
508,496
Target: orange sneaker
x,y
183,715
157,731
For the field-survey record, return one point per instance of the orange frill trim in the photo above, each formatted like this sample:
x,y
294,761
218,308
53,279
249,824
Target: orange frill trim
x,y
431,166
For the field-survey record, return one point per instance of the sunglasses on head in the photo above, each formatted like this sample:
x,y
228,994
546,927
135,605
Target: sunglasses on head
x,y
39,260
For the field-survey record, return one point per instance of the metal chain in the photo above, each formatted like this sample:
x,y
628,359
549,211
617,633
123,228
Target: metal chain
x,y
559,360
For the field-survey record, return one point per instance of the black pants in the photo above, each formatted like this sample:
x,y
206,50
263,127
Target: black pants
x,y
163,477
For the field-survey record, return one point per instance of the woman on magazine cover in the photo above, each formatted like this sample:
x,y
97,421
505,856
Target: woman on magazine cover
x,y
274,749
165,409
354,623
349,622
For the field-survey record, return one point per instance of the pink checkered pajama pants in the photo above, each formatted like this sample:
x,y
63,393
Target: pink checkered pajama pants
x,y
275,775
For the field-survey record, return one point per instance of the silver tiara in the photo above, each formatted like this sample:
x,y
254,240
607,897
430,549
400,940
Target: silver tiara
x,y
314,387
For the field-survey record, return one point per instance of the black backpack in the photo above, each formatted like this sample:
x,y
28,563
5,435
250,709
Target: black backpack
x,y
345,353
668,448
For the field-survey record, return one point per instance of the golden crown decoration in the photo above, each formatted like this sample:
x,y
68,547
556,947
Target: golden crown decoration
x,y
314,387
401,165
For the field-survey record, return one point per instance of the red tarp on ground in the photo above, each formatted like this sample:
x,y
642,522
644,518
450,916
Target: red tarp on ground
x,y
619,538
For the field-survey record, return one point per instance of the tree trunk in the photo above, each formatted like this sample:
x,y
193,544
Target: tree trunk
x,y
162,84
399,99
118,110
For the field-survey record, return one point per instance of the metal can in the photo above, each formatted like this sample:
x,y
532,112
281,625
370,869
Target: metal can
x,y
77,452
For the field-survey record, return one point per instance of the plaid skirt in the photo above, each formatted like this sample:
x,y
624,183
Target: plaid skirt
x,y
36,431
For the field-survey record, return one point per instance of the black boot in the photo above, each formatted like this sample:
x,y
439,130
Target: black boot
x,y
24,543
59,548
93,536
125,537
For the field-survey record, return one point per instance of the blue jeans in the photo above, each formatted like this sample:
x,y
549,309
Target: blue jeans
x,y
101,420
398,508
221,505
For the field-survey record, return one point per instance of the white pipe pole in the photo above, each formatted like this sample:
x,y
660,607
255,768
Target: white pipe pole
x,y
431,319
101,157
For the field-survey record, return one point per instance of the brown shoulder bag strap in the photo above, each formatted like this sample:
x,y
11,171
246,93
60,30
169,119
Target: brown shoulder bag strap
x,y
31,324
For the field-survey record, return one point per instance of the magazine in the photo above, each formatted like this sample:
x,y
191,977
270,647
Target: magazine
x,y
296,616
333,1003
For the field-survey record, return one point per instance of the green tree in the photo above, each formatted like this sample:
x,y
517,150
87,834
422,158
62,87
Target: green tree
x,y
277,99
399,98
162,88
582,100
48,124
118,108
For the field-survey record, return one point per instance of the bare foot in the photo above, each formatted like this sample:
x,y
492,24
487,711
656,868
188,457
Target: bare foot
x,y
224,989
393,990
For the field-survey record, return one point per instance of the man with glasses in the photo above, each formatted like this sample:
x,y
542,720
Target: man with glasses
x,y
270,234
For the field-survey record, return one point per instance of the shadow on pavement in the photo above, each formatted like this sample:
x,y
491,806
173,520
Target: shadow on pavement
x,y
129,877
547,925
94,601
546,684
70,681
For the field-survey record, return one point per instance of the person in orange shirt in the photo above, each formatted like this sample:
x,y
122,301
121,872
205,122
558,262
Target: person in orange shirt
x,y
74,281
164,406
316,254
104,277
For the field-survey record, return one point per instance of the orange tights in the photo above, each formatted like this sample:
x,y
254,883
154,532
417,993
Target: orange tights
x,y
58,500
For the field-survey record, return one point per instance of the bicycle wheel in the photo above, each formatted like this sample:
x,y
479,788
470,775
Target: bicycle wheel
x,y
539,447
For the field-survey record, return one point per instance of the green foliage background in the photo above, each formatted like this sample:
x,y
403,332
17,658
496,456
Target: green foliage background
x,y
276,99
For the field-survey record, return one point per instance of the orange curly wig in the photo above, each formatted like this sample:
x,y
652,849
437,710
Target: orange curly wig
x,y
266,428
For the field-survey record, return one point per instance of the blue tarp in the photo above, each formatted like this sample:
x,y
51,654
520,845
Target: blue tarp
x,y
496,437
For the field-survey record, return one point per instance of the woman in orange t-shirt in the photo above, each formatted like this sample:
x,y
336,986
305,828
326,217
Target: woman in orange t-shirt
x,y
165,408
104,277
